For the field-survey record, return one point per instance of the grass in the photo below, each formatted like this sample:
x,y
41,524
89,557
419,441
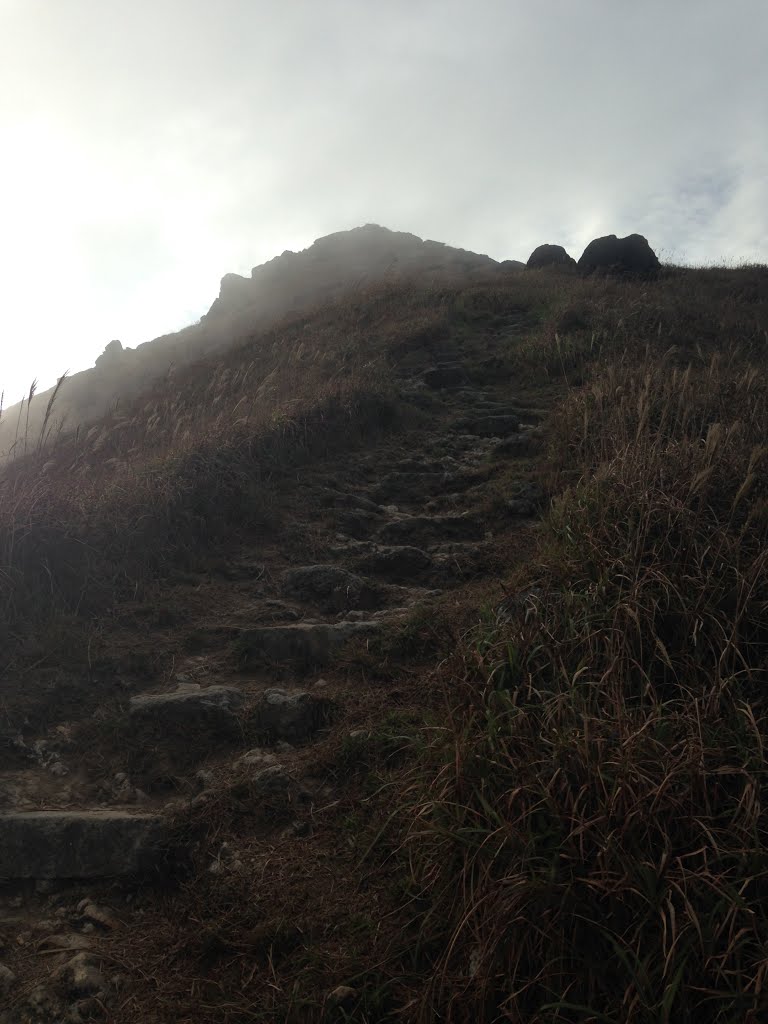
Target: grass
x,y
572,828
590,823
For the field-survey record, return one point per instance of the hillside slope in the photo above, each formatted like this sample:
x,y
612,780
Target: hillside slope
x,y
330,268
407,663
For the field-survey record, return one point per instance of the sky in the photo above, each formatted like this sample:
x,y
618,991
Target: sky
x,y
151,146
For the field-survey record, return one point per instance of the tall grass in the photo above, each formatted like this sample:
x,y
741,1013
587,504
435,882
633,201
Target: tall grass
x,y
589,831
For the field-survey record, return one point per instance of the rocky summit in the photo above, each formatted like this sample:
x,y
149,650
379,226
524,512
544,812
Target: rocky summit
x,y
379,665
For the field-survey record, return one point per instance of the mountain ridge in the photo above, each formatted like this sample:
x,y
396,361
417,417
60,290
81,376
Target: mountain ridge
x,y
291,283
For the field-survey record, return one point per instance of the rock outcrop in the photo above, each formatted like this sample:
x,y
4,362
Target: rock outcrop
x,y
609,254
336,262
550,256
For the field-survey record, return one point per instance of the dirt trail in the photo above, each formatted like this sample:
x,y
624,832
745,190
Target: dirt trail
x,y
239,673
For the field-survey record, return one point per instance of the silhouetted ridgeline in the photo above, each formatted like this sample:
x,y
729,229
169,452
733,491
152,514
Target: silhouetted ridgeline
x,y
293,282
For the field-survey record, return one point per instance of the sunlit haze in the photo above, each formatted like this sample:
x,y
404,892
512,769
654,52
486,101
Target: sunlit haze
x,y
150,147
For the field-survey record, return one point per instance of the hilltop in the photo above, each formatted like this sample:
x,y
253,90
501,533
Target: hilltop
x,y
402,659
289,284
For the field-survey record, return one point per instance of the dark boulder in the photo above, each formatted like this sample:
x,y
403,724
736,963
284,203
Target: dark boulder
x,y
630,255
550,256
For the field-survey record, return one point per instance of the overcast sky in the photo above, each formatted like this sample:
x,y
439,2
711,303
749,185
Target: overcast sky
x,y
150,146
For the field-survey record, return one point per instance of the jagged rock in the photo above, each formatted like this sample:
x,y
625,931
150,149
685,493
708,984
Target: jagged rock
x,y
211,711
550,256
111,355
308,643
329,587
420,530
398,563
288,715
79,844
630,255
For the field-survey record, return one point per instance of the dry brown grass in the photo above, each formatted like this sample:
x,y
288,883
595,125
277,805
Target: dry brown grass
x,y
583,836
590,828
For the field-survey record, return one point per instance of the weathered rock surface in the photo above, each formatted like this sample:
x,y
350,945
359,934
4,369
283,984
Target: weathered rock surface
x,y
308,643
79,844
420,530
290,715
630,255
550,256
331,588
211,710
398,563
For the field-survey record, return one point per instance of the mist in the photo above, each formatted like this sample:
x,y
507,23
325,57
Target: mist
x,y
150,149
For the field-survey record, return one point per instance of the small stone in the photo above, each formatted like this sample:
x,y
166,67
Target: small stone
x,y
81,976
58,769
342,994
100,915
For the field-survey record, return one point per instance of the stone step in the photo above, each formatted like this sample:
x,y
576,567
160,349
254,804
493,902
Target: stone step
x,y
203,711
421,530
491,426
305,643
79,844
394,562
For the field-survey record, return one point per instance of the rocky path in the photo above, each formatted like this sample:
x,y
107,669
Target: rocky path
x,y
235,671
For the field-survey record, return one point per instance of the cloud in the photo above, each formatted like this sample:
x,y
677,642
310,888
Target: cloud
x,y
150,148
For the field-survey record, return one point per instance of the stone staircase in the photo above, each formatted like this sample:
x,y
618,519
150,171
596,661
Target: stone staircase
x,y
260,663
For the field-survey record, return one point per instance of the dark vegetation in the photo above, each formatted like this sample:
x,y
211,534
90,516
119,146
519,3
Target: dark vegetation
x,y
573,828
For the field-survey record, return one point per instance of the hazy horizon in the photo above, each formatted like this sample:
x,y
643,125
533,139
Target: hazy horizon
x,y
152,148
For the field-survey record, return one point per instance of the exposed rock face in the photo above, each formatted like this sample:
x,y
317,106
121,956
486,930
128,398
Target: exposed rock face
x,y
291,715
333,589
211,711
111,355
334,263
308,643
78,844
421,530
291,283
550,256
630,255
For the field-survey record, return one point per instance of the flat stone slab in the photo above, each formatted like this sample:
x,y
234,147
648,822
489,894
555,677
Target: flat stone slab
x,y
79,844
212,709
309,643
399,562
